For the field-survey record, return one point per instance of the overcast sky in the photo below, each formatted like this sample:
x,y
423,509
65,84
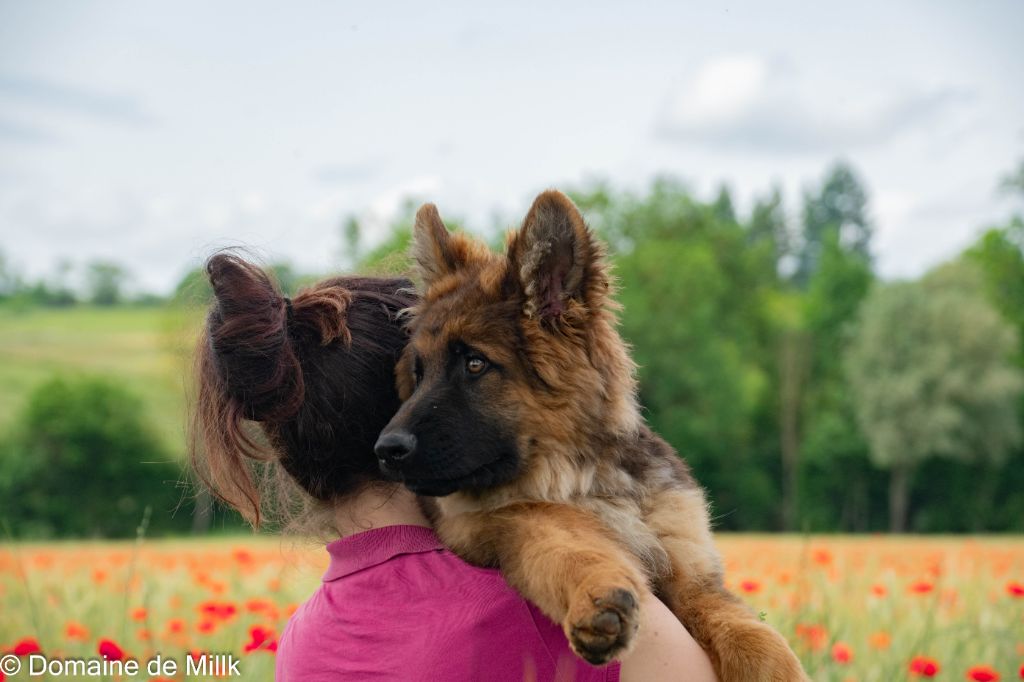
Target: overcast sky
x,y
151,133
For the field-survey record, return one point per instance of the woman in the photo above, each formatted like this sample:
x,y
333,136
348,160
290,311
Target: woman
x,y
316,375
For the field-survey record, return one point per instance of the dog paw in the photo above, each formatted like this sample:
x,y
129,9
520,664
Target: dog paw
x,y
601,623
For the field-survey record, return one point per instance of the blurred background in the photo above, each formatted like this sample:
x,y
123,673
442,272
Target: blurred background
x,y
816,211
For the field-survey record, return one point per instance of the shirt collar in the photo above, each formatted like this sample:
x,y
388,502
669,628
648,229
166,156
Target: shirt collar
x,y
377,545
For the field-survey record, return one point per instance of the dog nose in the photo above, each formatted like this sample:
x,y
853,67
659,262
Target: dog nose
x,y
395,447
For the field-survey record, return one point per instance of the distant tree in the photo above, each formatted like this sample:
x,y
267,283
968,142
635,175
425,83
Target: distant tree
x,y
723,206
999,254
288,277
837,212
10,279
390,257
930,377
351,241
1014,181
84,461
105,282
823,273
48,291
768,228
193,288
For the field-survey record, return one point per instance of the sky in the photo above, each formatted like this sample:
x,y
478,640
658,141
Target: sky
x,y
152,134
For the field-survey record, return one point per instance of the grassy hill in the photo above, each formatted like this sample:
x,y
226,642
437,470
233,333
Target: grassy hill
x,y
146,348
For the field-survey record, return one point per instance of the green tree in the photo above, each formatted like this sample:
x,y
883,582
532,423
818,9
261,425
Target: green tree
x,y
820,438
84,462
105,282
1014,182
193,289
838,212
351,241
930,377
10,279
768,228
999,254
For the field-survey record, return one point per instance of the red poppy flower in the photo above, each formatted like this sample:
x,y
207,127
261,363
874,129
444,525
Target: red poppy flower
x,y
750,586
261,638
921,587
879,590
139,614
110,651
219,610
924,666
26,646
816,636
841,653
983,673
1015,589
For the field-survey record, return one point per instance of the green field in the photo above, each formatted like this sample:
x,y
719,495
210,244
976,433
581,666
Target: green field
x,y
147,349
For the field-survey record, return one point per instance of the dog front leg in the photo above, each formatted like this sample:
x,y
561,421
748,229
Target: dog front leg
x,y
564,560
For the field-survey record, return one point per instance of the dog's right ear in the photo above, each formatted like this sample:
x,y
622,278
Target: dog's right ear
x,y
432,246
556,262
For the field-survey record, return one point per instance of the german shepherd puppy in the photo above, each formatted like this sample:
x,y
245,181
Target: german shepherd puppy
x,y
521,418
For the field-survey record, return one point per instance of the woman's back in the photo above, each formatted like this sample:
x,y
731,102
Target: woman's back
x,y
396,605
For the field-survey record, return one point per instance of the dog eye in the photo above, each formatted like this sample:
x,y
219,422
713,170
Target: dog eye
x,y
475,365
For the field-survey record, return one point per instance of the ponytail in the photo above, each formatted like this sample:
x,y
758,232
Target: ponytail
x,y
248,369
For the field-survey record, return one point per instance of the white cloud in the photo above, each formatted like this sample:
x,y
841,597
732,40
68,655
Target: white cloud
x,y
749,103
722,90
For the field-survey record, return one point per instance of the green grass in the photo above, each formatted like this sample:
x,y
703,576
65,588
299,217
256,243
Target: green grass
x,y
146,349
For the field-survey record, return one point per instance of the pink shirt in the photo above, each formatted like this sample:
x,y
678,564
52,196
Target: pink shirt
x,y
396,605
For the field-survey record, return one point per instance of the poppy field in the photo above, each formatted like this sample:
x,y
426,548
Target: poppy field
x,y
854,608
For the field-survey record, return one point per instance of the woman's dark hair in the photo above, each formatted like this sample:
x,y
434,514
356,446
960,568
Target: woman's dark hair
x,y
316,373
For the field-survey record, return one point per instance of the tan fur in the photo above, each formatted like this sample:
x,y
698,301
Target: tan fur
x,y
602,507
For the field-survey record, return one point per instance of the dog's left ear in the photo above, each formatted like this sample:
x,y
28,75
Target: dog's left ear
x,y
433,249
555,259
